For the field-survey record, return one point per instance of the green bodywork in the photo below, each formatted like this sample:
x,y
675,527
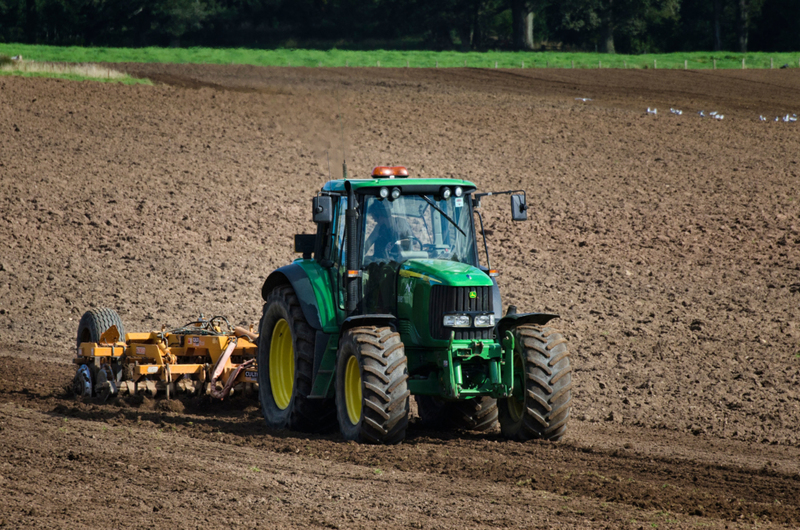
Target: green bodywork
x,y
450,369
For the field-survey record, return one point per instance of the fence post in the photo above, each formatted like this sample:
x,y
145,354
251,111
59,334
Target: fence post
x,y
495,64
437,64
406,63
771,64
715,63
742,63
655,64
685,64
573,64
599,64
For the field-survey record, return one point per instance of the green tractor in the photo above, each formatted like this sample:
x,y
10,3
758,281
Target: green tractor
x,y
390,301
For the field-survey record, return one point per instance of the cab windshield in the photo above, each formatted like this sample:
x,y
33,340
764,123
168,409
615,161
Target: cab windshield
x,y
411,227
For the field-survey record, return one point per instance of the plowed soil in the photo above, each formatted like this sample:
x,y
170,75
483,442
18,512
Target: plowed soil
x,y
669,244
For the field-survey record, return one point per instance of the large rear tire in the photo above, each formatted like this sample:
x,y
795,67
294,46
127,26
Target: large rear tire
x,y
542,370
95,322
285,368
371,391
477,414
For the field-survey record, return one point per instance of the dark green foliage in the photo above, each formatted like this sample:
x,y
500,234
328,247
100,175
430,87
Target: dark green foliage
x,y
625,26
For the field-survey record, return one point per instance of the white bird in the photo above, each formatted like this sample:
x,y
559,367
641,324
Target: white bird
x,y
777,118
17,58
718,116
793,118
675,111
762,118
583,99
786,119
713,113
702,114
652,111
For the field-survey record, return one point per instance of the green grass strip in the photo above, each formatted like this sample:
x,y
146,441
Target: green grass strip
x,y
399,59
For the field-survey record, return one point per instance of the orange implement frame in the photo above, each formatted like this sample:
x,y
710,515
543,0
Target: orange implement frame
x,y
160,360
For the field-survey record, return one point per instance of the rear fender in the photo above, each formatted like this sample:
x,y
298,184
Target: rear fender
x,y
313,290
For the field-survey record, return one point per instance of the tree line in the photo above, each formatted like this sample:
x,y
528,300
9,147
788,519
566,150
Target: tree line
x,y
611,26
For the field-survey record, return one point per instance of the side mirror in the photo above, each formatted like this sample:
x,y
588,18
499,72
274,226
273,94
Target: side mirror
x,y
519,210
322,209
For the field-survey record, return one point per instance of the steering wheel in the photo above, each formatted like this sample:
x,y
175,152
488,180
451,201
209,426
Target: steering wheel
x,y
396,249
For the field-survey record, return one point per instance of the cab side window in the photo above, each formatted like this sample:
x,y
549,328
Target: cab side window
x,y
338,256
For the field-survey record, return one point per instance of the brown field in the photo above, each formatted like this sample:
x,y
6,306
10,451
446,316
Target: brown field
x,y
669,245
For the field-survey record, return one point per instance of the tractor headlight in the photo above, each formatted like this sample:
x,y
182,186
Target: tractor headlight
x,y
456,321
484,321
458,191
446,193
395,193
384,193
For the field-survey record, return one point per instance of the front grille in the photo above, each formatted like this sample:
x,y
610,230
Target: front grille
x,y
446,299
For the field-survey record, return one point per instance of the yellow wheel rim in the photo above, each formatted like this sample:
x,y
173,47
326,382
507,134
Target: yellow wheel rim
x,y
281,364
516,404
352,390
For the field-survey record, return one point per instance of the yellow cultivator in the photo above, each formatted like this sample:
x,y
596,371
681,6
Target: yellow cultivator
x,y
205,356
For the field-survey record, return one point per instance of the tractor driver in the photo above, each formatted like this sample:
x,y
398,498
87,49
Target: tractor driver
x,y
387,232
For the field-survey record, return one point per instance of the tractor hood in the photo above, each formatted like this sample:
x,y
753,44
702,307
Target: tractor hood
x,y
444,272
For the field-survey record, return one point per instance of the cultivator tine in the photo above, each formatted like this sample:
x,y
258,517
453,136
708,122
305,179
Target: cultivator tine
x,y
105,386
219,367
231,380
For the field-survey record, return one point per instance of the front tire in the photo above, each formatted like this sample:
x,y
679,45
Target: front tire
x,y
371,390
542,371
285,367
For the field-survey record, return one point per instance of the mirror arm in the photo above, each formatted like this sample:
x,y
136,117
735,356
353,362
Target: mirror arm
x,y
478,196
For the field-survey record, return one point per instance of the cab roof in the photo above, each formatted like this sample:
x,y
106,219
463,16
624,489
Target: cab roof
x,y
408,185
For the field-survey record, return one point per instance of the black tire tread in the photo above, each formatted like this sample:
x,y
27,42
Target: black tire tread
x,y
548,385
384,373
306,415
95,322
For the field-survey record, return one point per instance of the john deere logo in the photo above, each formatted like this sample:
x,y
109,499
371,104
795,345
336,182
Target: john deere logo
x,y
473,294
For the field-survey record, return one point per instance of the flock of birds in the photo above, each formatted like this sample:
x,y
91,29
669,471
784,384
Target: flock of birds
x,y
714,114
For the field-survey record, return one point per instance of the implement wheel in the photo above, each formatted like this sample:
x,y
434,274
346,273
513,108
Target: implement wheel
x,y
540,406
285,366
95,322
371,390
82,382
477,414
